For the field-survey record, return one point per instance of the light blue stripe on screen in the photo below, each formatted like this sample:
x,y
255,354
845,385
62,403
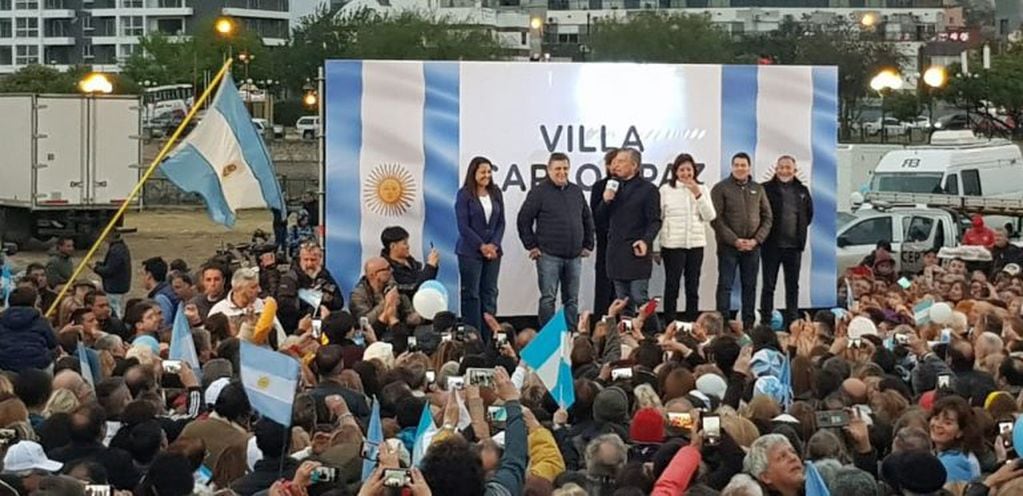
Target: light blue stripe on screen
x,y
441,150
343,132
823,184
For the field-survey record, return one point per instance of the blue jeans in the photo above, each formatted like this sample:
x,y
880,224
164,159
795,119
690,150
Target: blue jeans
x,y
479,291
748,265
551,272
635,291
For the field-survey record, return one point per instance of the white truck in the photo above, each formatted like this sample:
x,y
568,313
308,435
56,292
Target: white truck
x,y
70,161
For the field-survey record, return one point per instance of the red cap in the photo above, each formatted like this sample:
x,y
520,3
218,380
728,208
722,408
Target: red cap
x,y
647,426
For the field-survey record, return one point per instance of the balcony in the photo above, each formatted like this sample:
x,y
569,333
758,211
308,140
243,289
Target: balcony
x,y
264,9
152,8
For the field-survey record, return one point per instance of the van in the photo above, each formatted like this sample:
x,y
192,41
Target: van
x,y
308,126
955,163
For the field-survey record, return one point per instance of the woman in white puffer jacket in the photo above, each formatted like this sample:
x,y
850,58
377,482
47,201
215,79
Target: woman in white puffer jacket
x,y
686,209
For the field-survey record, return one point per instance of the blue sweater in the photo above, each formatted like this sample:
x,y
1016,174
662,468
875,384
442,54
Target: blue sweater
x,y
28,340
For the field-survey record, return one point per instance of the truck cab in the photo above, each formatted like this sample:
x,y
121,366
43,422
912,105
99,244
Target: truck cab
x,y
912,231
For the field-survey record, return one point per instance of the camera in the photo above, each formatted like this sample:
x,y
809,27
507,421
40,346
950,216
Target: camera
x,y
711,424
397,477
413,344
172,367
317,328
621,373
483,378
500,339
497,415
683,421
832,418
324,474
455,382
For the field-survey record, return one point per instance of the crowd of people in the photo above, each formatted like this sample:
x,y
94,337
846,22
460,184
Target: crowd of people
x,y
882,395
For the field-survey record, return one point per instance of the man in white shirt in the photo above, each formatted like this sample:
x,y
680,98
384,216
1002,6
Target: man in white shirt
x,y
243,300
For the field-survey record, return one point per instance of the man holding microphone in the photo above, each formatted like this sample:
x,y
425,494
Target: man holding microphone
x,y
631,207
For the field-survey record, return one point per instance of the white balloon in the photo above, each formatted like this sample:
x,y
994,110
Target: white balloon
x,y
428,302
941,313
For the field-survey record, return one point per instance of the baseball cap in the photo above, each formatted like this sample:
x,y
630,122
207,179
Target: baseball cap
x,y
28,455
1011,269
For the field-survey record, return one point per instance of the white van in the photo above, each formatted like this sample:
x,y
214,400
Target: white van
x,y
955,163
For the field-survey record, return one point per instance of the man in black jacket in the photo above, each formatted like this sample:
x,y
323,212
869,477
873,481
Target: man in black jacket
x,y
792,211
309,273
271,439
631,207
603,292
115,269
563,234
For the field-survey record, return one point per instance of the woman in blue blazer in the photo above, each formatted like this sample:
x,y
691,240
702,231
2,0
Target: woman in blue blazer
x,y
480,211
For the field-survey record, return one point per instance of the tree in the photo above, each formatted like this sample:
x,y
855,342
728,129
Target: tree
x,y
661,37
43,79
904,105
1000,87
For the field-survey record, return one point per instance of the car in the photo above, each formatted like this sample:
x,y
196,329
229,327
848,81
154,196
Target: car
x,y
892,126
919,122
262,125
308,127
912,231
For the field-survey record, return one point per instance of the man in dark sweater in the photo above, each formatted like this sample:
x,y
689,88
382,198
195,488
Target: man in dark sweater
x,y
743,223
115,269
792,210
556,226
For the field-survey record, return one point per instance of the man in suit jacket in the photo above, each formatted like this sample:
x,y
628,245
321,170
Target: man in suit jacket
x,y
602,288
631,207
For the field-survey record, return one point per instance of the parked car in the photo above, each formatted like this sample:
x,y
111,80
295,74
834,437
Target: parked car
x,y
308,127
920,122
262,125
892,126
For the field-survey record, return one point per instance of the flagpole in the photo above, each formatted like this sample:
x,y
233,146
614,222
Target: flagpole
x,y
138,186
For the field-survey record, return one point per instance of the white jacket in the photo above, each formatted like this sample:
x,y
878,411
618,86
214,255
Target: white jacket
x,y
684,217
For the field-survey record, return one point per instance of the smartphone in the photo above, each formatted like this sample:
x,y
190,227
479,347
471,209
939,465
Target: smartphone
x,y
483,378
497,415
172,367
946,335
684,327
431,376
1005,429
445,337
460,332
413,345
455,382
832,418
500,339
711,426
683,421
621,373
397,477
944,381
905,283
324,474
901,339
651,306
97,490
364,323
627,325
317,328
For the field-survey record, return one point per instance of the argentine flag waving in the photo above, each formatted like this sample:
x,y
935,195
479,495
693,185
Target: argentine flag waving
x,y
549,355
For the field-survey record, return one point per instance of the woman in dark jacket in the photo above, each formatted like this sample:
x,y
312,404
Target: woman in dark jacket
x,y
407,272
480,211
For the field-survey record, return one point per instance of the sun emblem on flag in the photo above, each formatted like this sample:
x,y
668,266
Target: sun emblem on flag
x,y
263,382
229,169
389,190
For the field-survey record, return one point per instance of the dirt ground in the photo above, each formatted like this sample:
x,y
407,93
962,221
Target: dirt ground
x,y
186,234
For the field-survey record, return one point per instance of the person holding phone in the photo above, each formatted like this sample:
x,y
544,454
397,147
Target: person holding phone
x,y
311,275
686,210
407,272
479,207
633,216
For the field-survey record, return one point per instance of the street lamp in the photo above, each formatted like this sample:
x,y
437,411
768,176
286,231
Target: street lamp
x,y
96,83
246,58
934,77
884,83
311,99
225,27
536,23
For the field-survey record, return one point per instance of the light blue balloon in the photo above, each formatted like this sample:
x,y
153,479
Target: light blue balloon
x,y
1017,435
435,285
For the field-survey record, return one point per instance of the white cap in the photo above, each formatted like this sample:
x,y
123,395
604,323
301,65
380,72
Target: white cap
x,y
214,389
27,455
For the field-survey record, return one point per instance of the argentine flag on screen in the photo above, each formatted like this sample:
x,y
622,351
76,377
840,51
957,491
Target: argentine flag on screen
x,y
270,380
549,355
225,161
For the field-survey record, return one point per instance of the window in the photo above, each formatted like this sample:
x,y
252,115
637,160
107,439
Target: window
x,y
952,184
26,27
5,5
26,54
86,21
6,31
971,182
126,51
55,4
132,4
869,232
917,229
132,26
5,55
87,52
26,4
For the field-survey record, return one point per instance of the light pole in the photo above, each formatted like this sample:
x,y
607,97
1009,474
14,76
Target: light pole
x,y
934,78
225,27
246,57
884,83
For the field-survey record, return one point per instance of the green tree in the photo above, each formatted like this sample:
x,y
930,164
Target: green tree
x,y
661,37
1000,87
904,105
43,79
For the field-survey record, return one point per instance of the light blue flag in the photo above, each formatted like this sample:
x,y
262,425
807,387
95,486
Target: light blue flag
x,y
225,160
182,346
83,362
549,355
311,296
424,435
270,380
786,380
374,438
815,485
6,284
850,298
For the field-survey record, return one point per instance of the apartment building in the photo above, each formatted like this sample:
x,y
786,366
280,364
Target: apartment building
x,y
103,33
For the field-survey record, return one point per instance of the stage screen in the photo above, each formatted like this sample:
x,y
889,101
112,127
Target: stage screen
x,y
400,135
